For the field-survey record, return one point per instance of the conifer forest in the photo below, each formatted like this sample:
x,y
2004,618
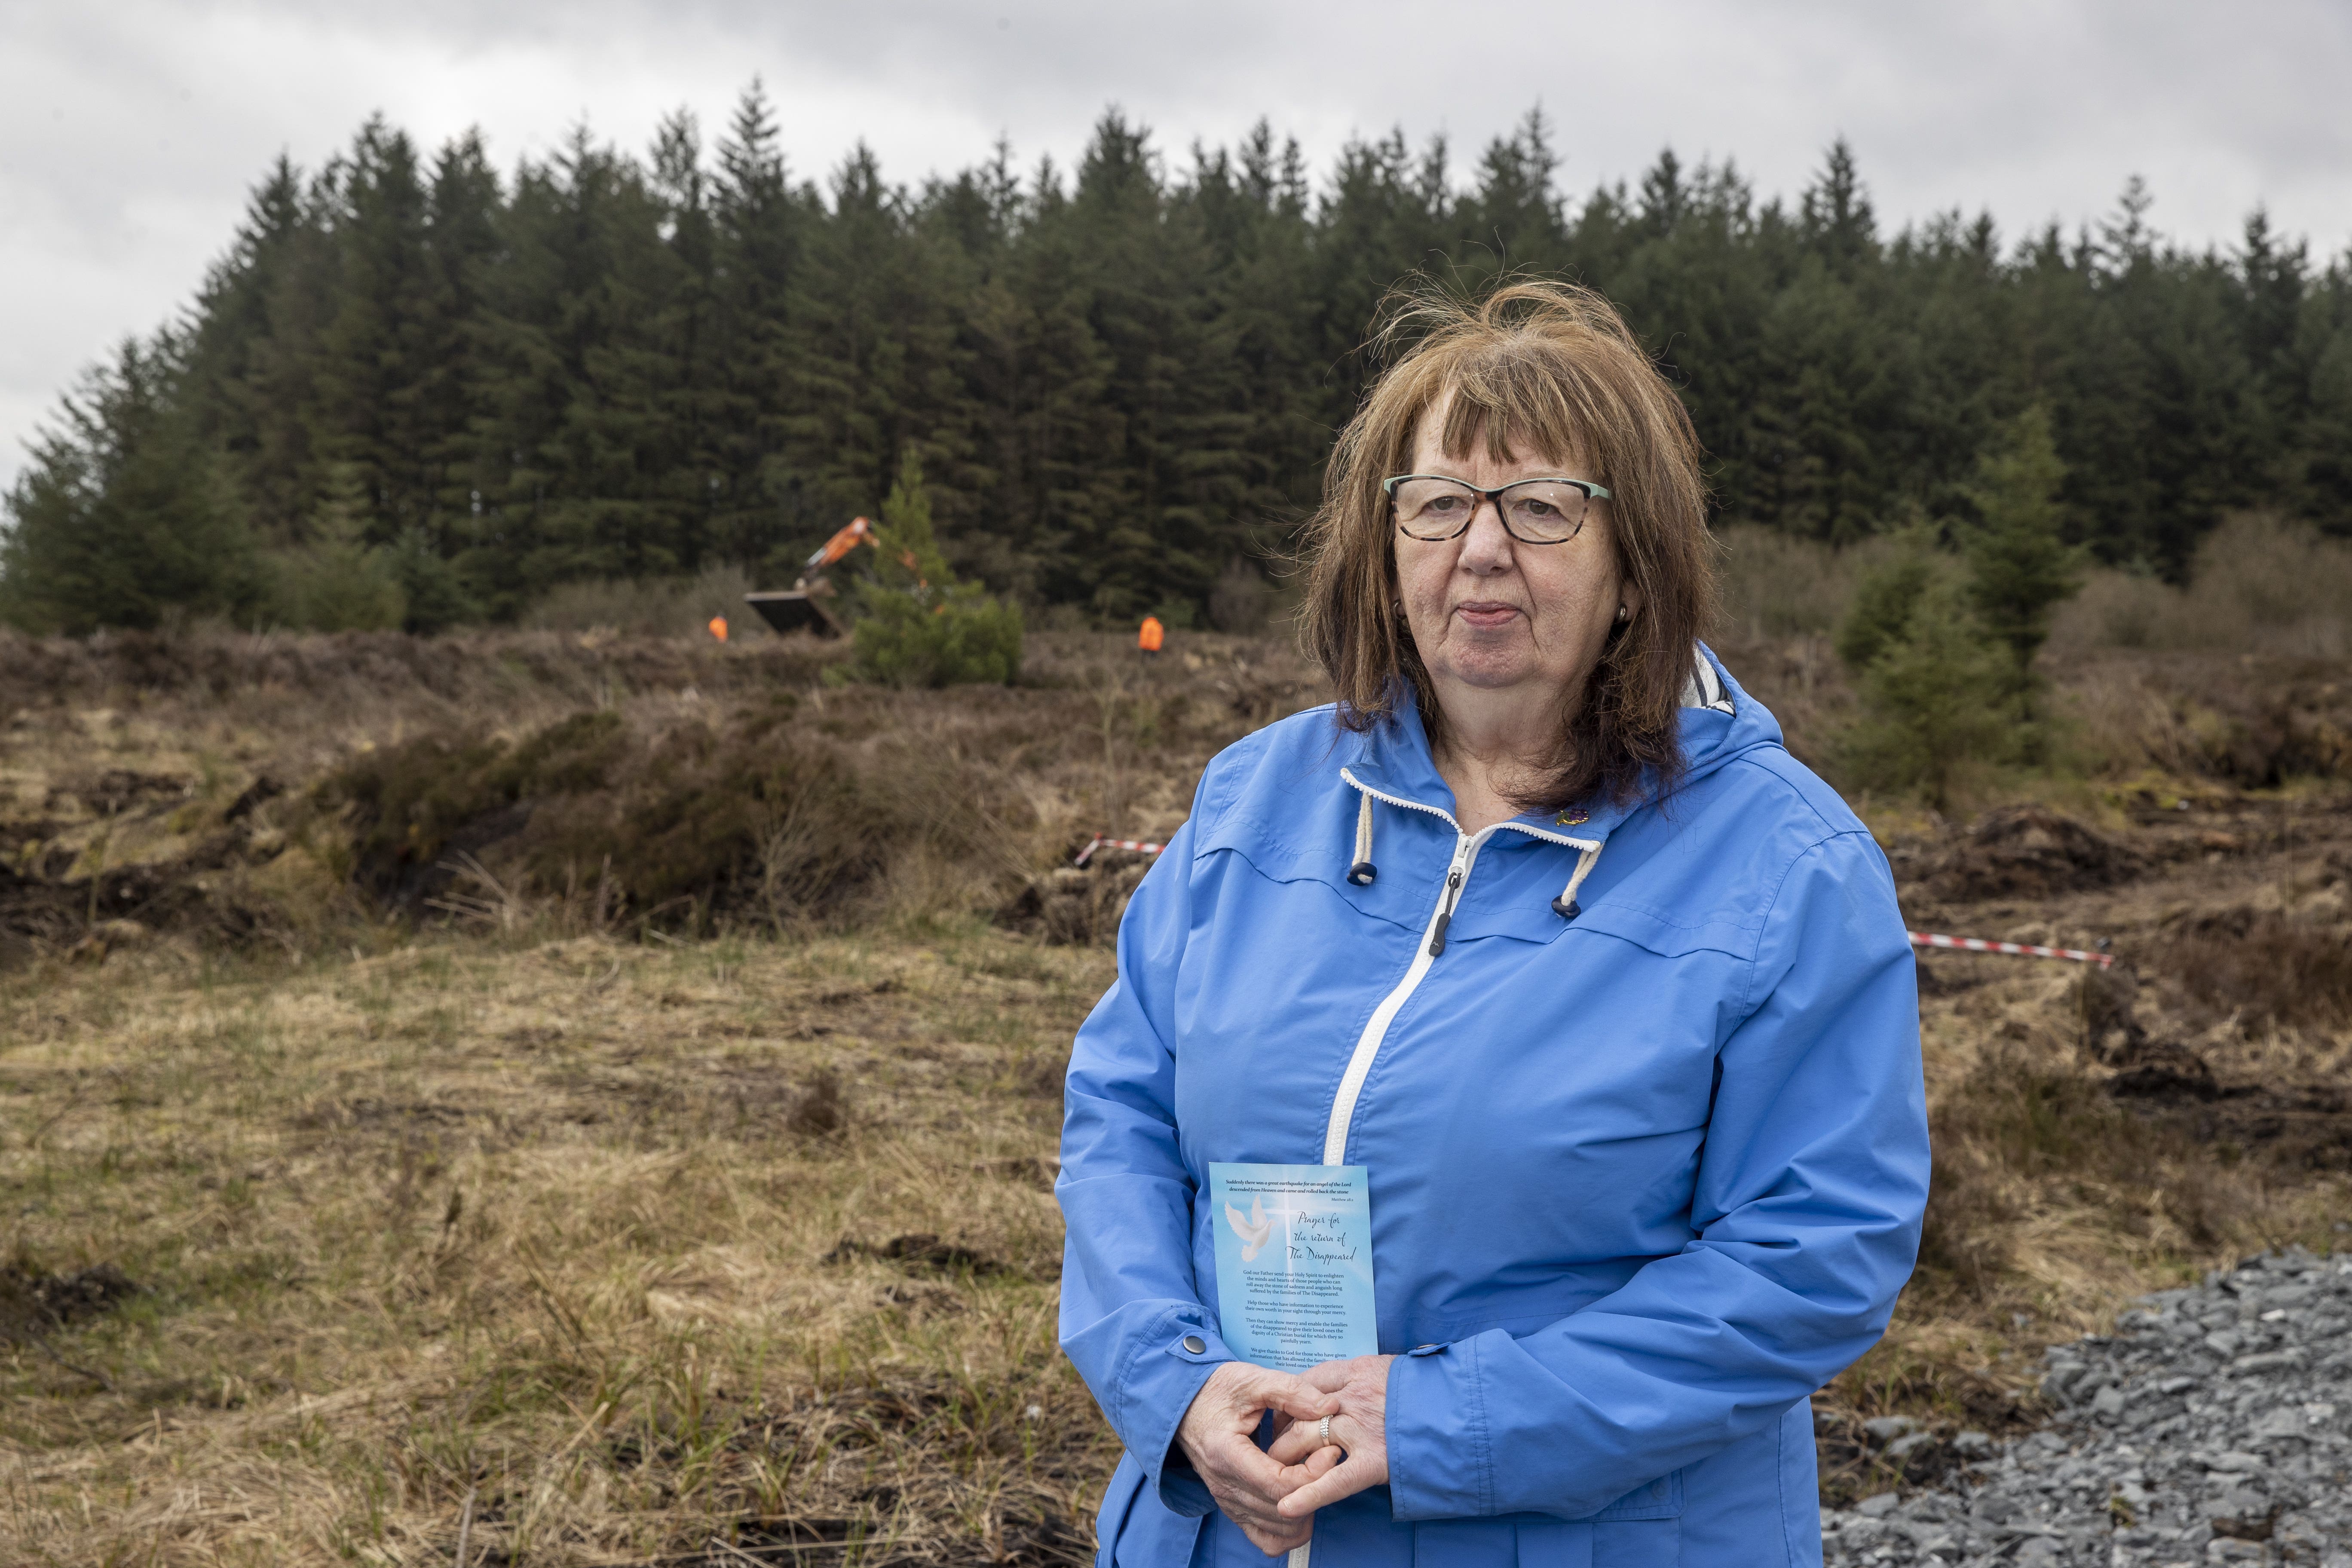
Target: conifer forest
x,y
1120,379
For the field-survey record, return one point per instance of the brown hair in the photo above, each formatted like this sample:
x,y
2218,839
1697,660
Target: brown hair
x,y
1551,368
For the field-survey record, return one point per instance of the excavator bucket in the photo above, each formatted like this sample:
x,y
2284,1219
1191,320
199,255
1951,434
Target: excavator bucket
x,y
795,612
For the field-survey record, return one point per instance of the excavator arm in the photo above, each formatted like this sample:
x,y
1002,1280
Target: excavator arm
x,y
855,532
803,609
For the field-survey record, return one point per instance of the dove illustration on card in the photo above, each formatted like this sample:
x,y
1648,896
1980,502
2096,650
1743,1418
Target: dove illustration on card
x,y
1295,1271
1254,1231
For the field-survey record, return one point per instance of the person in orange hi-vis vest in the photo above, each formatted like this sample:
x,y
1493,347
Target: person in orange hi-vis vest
x,y
718,627
1147,639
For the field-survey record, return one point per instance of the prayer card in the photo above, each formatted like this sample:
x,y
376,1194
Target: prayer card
x,y
1294,1262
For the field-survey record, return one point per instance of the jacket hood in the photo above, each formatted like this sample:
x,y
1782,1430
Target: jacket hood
x,y
1394,757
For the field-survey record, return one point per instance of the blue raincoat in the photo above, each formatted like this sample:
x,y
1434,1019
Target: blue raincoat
x,y
1639,1097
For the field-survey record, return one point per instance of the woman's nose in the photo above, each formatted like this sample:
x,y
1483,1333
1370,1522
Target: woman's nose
x,y
1486,547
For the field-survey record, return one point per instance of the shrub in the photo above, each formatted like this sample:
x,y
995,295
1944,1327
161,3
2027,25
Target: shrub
x,y
337,582
1243,601
1879,615
960,636
917,626
652,606
336,585
1778,585
431,588
748,817
1934,699
2130,609
2258,968
2260,583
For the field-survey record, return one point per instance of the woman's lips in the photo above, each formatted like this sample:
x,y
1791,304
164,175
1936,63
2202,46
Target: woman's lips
x,y
1485,613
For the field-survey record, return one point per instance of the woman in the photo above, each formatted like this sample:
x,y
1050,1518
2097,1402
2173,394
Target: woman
x,y
1542,927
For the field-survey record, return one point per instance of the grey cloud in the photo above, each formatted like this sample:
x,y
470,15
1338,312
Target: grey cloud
x,y
131,132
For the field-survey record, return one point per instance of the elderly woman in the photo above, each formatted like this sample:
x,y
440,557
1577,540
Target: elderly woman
x,y
1542,929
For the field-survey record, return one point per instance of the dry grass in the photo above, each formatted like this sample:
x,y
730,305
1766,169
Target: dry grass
x,y
560,1225
655,606
2098,1134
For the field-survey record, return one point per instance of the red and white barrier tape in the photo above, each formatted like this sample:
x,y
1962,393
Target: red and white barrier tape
x,y
2014,949
1101,841
1918,938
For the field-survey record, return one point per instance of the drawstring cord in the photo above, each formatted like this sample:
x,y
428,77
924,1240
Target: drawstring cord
x,y
1565,905
1362,872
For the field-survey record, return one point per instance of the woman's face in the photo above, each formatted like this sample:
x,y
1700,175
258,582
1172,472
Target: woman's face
x,y
1492,614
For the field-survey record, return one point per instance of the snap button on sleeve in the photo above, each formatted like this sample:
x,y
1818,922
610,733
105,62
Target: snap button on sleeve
x,y
1195,1343
1426,1350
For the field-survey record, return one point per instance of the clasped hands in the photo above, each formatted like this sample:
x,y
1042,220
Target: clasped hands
x,y
1272,1493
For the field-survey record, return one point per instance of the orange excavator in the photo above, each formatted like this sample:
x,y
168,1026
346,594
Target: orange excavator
x,y
801,606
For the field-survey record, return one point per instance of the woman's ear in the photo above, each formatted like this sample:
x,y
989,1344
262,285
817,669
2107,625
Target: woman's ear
x,y
1629,602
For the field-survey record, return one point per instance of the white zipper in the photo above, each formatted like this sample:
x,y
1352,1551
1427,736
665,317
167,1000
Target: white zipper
x,y
1432,942
1376,1028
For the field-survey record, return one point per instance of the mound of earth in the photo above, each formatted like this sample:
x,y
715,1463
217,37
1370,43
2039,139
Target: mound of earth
x,y
2025,852
1078,906
53,907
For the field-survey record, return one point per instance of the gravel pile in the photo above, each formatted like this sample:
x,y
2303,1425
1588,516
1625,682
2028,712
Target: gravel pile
x,y
2215,1426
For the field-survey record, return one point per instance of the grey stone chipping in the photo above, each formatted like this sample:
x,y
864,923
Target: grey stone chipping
x,y
2213,1426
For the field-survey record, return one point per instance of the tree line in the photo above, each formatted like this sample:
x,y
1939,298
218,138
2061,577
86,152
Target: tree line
x,y
415,388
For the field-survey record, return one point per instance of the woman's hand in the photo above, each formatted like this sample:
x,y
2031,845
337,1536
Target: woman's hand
x,y
1362,1390
1219,1435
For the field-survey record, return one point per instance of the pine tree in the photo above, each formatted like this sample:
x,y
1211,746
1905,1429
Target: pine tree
x,y
2020,565
1124,384
335,581
121,518
765,509
373,431
1932,704
917,626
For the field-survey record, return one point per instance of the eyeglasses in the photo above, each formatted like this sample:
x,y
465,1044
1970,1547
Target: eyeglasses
x,y
1534,512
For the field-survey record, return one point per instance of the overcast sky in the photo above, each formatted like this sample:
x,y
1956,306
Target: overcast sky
x,y
130,131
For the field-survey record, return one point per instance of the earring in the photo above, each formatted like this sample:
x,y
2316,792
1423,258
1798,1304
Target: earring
x,y
1624,615
1396,608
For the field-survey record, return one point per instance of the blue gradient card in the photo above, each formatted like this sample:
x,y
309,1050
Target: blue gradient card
x,y
1294,1262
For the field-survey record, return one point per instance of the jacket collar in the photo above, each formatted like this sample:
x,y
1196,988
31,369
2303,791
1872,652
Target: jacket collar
x,y
1393,756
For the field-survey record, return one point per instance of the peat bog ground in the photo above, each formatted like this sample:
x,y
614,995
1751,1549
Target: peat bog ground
x,y
594,1099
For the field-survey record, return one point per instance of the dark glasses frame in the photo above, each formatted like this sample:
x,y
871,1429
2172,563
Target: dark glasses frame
x,y
1593,492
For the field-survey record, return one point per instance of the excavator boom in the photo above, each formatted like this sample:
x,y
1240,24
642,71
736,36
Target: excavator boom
x,y
855,532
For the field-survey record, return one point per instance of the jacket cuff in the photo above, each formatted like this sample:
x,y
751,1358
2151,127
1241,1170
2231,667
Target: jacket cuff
x,y
1163,1377
1440,1459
